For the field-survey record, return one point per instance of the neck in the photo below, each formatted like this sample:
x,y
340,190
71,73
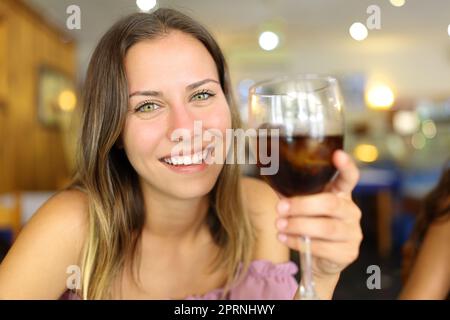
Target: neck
x,y
171,219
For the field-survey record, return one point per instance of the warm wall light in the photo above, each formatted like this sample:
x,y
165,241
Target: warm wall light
x,y
380,97
67,100
366,152
448,30
397,3
268,40
358,31
146,5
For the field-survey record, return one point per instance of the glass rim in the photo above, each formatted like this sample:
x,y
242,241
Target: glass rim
x,y
293,77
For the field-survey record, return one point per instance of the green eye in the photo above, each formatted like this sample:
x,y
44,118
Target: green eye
x,y
147,107
204,95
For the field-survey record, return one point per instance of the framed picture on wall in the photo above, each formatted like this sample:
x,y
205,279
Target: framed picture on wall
x,y
56,96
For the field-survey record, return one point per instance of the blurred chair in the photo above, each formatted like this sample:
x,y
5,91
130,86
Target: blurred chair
x,y
17,208
383,185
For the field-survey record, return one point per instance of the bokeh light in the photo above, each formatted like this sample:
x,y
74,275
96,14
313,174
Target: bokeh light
x,y
366,152
268,40
380,97
398,3
67,100
358,31
405,122
418,141
146,5
429,129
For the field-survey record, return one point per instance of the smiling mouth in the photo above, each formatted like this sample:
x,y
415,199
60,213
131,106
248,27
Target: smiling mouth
x,y
193,159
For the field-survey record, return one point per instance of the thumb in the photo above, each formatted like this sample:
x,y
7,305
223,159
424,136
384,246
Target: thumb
x,y
348,173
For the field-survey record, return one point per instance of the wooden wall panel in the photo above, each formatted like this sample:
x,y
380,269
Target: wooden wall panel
x,y
34,156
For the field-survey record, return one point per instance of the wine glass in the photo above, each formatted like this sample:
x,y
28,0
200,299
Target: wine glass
x,y
300,119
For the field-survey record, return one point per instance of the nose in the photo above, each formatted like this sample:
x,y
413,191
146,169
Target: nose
x,y
181,123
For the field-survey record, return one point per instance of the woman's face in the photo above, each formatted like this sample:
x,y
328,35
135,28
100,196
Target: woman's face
x,y
173,81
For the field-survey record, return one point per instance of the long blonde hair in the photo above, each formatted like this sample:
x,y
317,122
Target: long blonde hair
x,y
116,205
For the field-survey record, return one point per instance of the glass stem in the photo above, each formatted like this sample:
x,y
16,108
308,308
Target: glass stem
x,y
307,290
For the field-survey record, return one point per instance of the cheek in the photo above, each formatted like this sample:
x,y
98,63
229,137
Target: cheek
x,y
140,139
219,119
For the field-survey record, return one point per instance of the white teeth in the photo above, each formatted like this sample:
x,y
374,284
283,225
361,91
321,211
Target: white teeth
x,y
196,158
187,160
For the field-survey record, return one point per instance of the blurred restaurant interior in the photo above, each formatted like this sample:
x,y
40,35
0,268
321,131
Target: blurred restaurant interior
x,y
394,73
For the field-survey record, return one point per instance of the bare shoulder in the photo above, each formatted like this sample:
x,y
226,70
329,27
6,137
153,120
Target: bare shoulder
x,y
437,239
258,194
260,202
35,267
441,228
68,206
432,259
66,214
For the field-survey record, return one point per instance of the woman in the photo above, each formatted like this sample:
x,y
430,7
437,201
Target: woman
x,y
426,256
144,225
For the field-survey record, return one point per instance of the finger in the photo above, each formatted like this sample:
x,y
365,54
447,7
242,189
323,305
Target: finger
x,y
321,204
348,173
328,229
340,253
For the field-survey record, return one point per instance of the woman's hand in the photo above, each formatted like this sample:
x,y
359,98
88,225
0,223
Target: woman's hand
x,y
330,218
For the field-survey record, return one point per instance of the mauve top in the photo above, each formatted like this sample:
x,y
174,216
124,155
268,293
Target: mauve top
x,y
263,281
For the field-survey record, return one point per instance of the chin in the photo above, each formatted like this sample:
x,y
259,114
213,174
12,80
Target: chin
x,y
185,186
191,191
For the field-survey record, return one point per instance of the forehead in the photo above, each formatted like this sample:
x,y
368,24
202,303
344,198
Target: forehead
x,y
177,58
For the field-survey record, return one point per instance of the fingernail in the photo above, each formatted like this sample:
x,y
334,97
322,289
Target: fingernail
x,y
282,237
283,206
282,223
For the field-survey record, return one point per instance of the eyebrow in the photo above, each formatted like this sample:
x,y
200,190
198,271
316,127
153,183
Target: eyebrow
x,y
159,94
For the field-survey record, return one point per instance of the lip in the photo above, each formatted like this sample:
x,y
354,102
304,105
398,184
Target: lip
x,y
191,168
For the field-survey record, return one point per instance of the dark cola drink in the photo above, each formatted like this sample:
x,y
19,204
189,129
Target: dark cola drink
x,y
305,163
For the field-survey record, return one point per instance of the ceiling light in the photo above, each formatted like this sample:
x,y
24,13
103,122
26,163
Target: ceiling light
x,y
358,31
146,5
397,3
268,40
